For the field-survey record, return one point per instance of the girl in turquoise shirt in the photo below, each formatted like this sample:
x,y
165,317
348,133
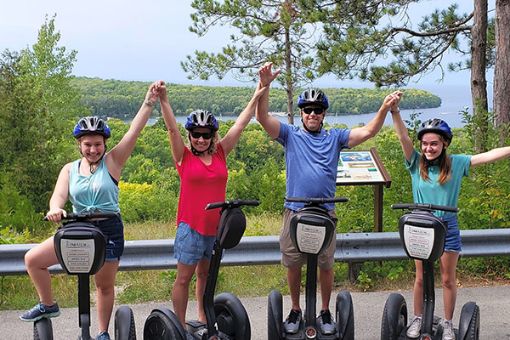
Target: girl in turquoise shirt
x,y
436,179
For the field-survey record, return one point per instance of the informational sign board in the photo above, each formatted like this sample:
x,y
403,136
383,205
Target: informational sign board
x,y
358,167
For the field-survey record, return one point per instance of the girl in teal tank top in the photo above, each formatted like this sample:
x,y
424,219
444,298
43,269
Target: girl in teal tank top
x,y
90,184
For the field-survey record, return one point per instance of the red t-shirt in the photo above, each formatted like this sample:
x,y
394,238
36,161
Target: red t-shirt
x,y
201,184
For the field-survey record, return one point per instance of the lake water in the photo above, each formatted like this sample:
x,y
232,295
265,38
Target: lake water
x,y
453,100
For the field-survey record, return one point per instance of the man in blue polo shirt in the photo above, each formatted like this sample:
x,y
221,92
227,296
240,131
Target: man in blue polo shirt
x,y
311,159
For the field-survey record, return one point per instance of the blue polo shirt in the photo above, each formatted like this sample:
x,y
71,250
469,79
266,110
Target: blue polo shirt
x,y
431,191
312,161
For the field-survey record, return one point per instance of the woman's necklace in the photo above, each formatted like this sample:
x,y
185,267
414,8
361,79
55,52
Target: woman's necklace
x,y
93,167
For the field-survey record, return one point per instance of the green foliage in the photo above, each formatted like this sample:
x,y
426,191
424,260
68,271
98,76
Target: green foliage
x,y
227,101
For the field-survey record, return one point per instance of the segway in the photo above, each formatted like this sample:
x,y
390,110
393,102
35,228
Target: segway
x,y
80,248
226,316
312,230
423,237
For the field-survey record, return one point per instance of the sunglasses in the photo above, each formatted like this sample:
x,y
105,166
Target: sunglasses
x,y
204,135
316,110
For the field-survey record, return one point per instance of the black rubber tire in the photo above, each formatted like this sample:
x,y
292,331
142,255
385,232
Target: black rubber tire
x,y
43,329
125,328
394,320
469,325
344,315
163,324
231,317
274,316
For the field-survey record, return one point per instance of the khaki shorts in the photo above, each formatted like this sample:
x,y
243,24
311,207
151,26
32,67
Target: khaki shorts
x,y
291,257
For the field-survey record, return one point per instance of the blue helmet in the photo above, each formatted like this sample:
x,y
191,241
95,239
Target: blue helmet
x,y
201,118
438,126
312,97
91,126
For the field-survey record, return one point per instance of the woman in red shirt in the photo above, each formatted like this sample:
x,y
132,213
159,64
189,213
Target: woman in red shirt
x,y
203,171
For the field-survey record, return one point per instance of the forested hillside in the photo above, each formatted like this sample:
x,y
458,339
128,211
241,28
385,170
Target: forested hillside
x,y
121,99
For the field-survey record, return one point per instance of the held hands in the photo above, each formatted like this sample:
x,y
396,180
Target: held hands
x,y
55,215
267,75
392,100
152,95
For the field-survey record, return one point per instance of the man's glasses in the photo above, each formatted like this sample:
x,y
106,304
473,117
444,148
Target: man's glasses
x,y
316,110
204,135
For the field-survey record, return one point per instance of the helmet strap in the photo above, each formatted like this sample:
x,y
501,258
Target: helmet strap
x,y
436,161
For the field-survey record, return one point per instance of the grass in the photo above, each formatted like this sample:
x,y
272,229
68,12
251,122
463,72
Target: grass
x,y
17,292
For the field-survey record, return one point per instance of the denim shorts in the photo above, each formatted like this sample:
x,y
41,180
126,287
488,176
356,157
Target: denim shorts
x,y
113,230
190,247
453,242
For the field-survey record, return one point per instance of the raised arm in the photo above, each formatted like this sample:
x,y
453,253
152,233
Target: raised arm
x,y
121,152
174,134
361,134
229,141
490,156
269,123
402,133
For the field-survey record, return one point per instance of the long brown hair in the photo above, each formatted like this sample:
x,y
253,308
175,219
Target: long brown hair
x,y
445,165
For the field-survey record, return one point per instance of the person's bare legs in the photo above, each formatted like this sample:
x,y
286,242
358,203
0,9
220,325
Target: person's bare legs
x,y
105,293
201,272
448,266
326,282
180,291
37,261
418,289
294,282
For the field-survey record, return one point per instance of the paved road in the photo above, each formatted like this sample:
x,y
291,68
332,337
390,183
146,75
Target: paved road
x,y
494,305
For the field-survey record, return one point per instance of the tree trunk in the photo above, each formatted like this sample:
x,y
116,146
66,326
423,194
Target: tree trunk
x,y
502,68
478,79
289,78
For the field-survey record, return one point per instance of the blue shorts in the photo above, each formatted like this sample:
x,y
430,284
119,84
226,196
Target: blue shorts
x,y
453,242
190,246
113,230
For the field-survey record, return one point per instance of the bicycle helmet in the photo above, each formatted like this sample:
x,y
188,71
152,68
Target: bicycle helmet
x,y
438,126
311,97
91,126
201,118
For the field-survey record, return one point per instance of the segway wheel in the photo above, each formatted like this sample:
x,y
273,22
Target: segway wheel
x,y
394,320
274,316
125,324
231,316
469,325
344,316
43,329
163,324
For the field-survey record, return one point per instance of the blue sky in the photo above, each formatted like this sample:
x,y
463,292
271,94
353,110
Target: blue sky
x,y
135,40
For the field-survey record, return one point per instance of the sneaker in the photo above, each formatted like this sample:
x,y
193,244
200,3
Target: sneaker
x,y
326,323
293,321
414,329
448,333
40,311
103,336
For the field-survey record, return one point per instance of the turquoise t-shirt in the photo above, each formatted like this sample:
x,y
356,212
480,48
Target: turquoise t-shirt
x,y
431,191
311,161
97,192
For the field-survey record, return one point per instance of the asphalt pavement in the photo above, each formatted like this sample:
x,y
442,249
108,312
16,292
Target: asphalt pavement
x,y
494,302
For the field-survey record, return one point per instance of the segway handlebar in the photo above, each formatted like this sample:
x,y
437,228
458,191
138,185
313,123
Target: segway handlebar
x,y
317,200
85,216
231,204
424,206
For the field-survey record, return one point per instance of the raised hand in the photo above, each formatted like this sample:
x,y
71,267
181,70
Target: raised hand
x,y
267,75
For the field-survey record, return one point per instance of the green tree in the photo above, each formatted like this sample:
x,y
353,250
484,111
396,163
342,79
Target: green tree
x,y
280,31
37,102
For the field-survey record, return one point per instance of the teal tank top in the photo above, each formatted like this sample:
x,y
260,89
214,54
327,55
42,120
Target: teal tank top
x,y
97,192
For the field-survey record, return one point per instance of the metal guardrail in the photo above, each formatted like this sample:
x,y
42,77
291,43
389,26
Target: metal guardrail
x,y
259,250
